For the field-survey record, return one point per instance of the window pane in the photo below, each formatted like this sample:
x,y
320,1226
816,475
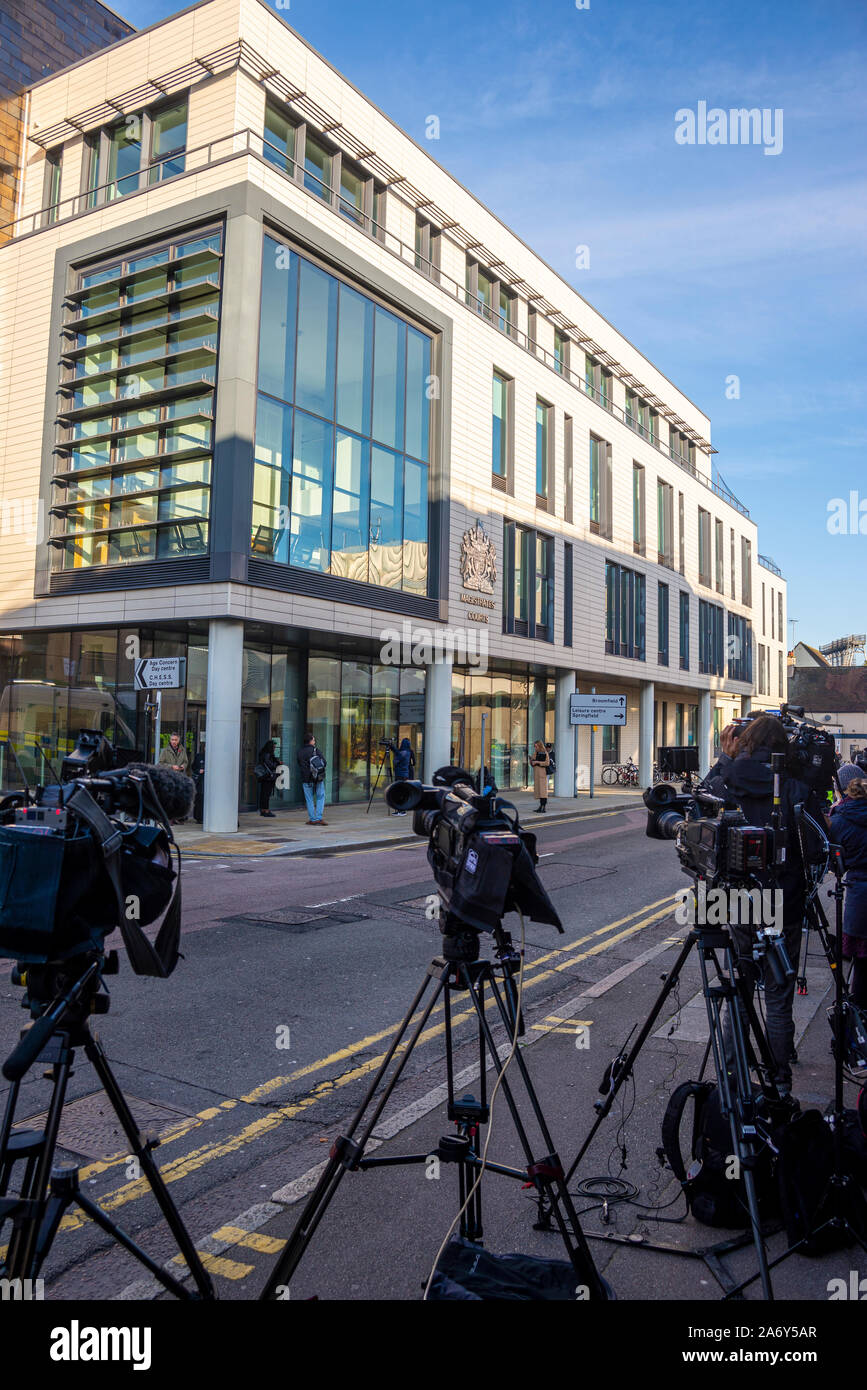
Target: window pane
x,y
169,142
499,435
317,168
354,360
186,502
386,518
124,157
351,202
541,449
279,143
317,340
389,378
417,402
349,530
271,480
277,325
415,528
189,539
311,493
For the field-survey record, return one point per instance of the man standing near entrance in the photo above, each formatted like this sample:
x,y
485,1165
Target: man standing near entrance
x,y
312,765
174,755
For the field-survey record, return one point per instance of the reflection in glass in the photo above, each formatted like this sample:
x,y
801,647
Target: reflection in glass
x,y
277,327
354,361
386,518
317,327
348,533
389,374
311,493
415,528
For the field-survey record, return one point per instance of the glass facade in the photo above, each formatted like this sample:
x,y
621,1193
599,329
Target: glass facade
x,y
134,443
54,684
517,707
343,430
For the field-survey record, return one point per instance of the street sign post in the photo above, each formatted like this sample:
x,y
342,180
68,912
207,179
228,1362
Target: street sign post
x,y
597,709
160,673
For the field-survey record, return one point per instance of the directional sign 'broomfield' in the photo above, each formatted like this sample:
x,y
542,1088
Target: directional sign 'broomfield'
x,y
597,709
158,673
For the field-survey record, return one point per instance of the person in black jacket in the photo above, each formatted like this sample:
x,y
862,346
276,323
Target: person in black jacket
x,y
849,830
744,775
312,767
404,765
266,776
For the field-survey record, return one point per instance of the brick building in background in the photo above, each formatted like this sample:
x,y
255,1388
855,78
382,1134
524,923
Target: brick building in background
x,y
38,37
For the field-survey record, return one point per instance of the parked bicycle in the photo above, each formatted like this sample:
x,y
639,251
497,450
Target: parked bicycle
x,y
626,774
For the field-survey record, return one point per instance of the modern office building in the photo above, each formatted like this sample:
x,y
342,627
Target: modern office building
x,y
38,37
282,398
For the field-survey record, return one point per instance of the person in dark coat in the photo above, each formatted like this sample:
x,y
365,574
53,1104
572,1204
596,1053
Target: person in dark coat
x,y
747,778
266,776
404,765
849,830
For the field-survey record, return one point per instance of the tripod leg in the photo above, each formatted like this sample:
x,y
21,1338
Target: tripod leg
x,y
739,1107
94,1050
22,1259
547,1175
346,1152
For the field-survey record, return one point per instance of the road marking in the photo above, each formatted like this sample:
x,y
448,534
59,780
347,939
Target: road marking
x,y
387,1128
191,1162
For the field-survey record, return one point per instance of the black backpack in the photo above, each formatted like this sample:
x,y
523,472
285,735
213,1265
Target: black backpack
x,y
713,1198
317,767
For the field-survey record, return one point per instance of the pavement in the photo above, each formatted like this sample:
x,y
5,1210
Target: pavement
x,y
352,827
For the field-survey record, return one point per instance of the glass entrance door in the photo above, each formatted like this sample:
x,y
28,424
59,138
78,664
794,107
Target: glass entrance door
x,y
249,753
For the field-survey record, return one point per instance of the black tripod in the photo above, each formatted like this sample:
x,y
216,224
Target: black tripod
x,y
842,1211
384,763
732,1064
46,1192
458,970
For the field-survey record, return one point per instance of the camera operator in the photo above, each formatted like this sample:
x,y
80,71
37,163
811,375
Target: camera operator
x,y
744,774
404,765
849,830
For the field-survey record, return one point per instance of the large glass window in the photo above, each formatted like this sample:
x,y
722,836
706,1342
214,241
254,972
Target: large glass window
x,y
279,141
528,583
344,394
155,316
624,612
152,142
711,641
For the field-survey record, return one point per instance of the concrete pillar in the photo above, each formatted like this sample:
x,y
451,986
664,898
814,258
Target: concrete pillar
x,y
645,734
746,704
223,740
438,717
564,738
705,732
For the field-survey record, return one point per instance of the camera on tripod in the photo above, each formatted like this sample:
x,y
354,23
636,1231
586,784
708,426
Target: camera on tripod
x,y
92,853
712,838
483,861
812,751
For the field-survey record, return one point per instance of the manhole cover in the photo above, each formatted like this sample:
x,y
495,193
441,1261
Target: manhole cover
x,y
294,921
89,1126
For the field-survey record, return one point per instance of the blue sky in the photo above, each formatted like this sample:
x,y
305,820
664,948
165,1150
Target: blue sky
x,y
715,260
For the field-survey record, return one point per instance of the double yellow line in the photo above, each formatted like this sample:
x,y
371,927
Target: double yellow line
x,y
557,961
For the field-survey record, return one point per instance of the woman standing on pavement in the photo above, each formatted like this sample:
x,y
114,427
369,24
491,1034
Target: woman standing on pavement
x,y
539,763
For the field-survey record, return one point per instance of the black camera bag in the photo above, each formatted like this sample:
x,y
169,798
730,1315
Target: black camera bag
x,y
713,1198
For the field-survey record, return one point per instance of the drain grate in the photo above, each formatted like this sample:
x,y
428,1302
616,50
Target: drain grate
x,y
90,1128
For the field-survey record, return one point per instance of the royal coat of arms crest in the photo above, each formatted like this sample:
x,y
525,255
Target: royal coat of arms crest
x,y
478,560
